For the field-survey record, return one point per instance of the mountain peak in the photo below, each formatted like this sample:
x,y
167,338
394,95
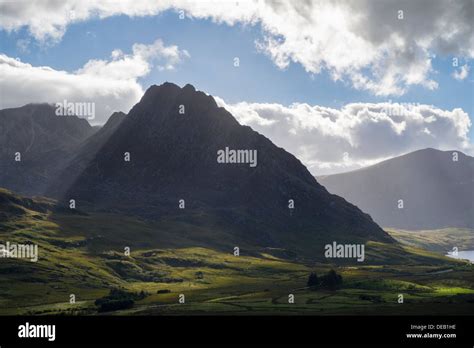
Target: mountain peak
x,y
174,137
168,101
430,150
189,87
167,88
155,90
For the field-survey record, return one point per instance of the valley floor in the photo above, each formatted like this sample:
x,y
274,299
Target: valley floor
x,y
83,256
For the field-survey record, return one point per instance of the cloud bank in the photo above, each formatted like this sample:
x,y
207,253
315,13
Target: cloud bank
x,y
381,46
330,140
110,84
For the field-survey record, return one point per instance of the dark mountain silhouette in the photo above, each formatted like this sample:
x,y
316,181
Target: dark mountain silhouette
x,y
173,156
437,192
43,140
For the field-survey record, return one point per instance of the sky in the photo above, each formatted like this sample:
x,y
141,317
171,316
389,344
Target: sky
x,y
341,85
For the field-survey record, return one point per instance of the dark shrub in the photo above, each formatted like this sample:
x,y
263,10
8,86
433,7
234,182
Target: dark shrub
x,y
331,281
164,291
313,280
372,298
119,299
115,305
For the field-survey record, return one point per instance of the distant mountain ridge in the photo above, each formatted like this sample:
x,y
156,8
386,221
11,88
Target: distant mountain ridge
x,y
436,189
34,143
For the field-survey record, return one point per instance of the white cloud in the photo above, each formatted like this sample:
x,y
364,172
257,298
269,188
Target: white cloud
x,y
361,42
462,73
22,45
330,140
111,84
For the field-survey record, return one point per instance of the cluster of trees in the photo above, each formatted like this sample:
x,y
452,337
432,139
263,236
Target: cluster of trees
x,y
329,281
119,299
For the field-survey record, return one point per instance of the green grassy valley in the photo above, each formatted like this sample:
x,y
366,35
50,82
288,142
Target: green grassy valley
x,y
441,240
84,255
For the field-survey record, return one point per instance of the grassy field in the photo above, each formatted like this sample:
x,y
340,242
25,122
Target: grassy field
x,y
442,240
84,255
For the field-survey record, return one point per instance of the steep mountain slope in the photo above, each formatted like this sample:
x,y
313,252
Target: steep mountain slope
x,y
436,190
172,137
42,139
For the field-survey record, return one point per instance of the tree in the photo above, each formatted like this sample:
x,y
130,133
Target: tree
x,y
313,280
332,280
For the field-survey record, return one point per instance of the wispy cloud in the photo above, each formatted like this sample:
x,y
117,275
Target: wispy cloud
x,y
462,73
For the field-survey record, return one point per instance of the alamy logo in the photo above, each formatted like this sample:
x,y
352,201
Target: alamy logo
x,y
399,109
83,110
37,331
19,251
344,251
237,156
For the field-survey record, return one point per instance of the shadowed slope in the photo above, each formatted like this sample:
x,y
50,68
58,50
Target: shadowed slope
x,y
173,156
43,140
437,192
